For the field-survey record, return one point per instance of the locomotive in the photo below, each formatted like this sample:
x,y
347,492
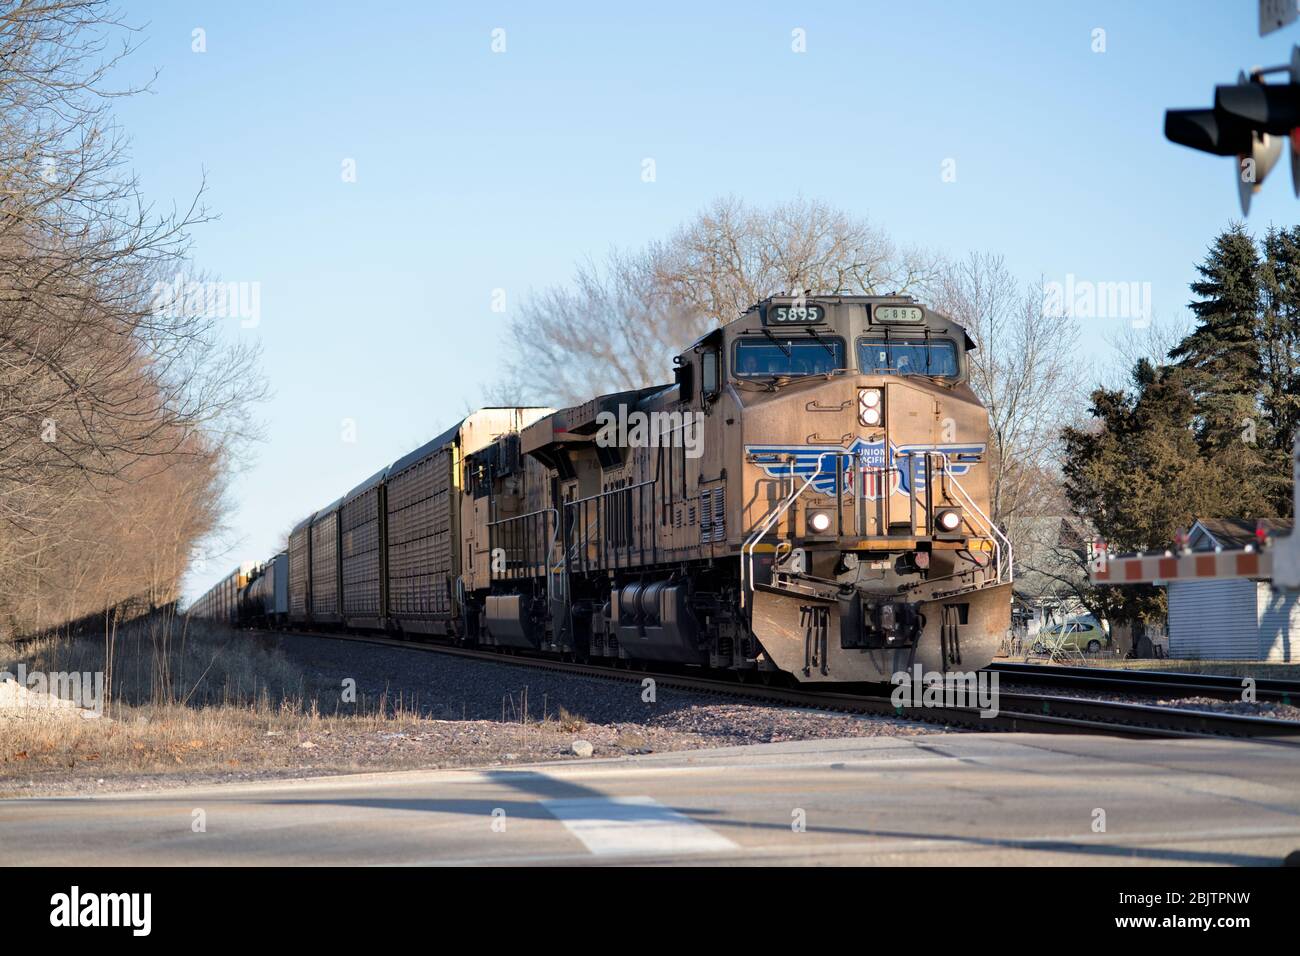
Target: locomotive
x,y
809,496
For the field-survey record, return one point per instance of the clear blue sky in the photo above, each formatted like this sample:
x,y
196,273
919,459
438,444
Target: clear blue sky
x,y
478,171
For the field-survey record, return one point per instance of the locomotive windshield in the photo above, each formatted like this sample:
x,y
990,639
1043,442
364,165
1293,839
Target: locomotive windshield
x,y
788,357
908,357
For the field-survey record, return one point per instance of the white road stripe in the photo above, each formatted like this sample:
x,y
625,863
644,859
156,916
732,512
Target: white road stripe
x,y
610,826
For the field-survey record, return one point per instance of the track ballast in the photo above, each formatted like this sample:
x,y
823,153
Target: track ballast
x,y
1018,712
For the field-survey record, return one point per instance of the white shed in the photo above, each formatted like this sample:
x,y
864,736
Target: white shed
x,y
1234,618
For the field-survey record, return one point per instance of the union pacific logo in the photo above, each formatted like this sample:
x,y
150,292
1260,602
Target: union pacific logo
x,y
861,461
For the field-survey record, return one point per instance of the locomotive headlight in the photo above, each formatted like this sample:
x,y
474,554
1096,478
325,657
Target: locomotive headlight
x,y
819,522
869,406
949,520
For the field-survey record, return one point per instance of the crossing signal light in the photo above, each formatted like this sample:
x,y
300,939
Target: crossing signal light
x,y
1248,121
1207,131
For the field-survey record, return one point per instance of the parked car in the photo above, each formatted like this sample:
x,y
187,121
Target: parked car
x,y
1083,634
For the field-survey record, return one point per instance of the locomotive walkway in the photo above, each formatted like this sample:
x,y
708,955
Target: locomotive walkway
x,y
934,799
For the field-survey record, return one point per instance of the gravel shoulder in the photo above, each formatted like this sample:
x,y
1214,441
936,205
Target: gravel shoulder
x,y
364,707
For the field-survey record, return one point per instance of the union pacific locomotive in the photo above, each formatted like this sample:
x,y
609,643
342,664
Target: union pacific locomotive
x,y
807,497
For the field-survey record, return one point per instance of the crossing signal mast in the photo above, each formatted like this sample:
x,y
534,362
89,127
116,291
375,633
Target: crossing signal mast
x,y
1252,118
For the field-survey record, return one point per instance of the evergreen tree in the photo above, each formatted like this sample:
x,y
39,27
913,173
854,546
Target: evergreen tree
x,y
1208,436
1226,362
1140,476
1280,354
1221,356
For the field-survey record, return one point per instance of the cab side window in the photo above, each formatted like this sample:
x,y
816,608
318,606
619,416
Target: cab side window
x,y
710,373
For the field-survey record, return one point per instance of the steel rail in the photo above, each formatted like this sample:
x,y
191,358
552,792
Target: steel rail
x,y
1031,713
1218,686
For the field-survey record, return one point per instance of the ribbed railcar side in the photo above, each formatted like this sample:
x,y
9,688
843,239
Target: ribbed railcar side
x,y
361,543
325,607
420,518
226,611
300,572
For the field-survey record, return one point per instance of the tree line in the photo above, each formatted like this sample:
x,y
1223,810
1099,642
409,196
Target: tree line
x,y
119,418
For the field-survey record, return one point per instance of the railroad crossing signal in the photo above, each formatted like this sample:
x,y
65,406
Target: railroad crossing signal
x,y
1248,120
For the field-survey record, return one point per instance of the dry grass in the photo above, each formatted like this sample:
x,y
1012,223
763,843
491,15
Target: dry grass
x,y
570,723
155,739
184,695
164,659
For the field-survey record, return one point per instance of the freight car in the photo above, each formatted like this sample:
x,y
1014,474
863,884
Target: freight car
x,y
264,601
222,602
392,546
807,497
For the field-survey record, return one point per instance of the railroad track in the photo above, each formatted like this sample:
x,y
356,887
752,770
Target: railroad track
x,y
1017,712
1154,683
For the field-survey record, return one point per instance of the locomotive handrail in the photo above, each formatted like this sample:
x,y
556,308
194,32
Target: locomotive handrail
x,y
601,521
1000,539
752,541
610,491
546,560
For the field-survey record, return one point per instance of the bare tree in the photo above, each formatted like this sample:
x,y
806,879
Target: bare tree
x,y
731,256
1026,369
618,323
1152,341
612,329
112,402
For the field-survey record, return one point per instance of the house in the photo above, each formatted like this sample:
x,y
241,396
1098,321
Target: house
x,y
1233,618
1051,556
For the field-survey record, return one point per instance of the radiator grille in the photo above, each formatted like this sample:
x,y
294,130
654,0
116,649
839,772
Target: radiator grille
x,y
713,515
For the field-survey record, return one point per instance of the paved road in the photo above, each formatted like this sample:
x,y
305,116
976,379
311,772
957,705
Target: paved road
x,y
938,799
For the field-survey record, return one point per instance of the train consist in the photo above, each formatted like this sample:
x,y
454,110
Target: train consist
x,y
808,496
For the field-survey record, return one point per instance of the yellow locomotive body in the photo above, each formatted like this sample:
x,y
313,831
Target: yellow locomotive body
x,y
809,496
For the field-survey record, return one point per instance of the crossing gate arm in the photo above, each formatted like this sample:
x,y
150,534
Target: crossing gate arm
x,y
1277,561
1247,562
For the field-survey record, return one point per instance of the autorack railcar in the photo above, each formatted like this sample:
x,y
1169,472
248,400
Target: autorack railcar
x,y
388,554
